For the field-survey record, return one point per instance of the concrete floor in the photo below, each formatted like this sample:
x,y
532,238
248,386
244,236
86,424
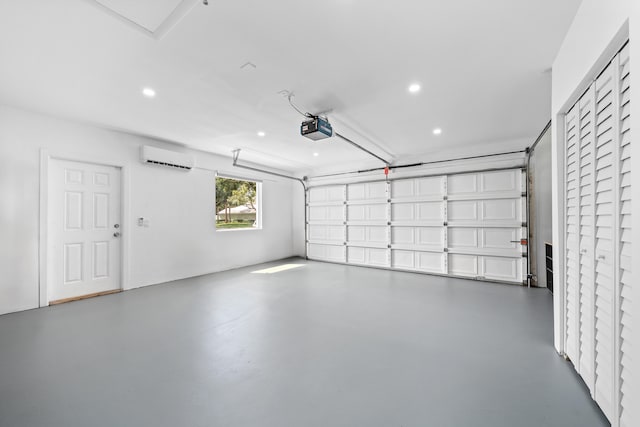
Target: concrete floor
x,y
322,345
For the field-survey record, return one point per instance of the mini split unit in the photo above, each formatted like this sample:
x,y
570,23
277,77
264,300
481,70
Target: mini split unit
x,y
159,156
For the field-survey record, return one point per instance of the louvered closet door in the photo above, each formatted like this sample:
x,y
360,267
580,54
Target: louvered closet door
x,y
604,242
586,113
598,318
572,279
625,284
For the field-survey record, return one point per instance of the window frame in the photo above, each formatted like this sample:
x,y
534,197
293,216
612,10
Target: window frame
x,y
258,204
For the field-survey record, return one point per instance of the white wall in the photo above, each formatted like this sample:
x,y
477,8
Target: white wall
x,y
181,240
599,29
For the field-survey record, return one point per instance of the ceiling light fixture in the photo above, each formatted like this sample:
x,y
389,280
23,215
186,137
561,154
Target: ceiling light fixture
x,y
261,134
437,131
148,92
414,88
316,154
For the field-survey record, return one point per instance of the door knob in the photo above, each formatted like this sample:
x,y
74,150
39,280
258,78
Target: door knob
x,y
116,234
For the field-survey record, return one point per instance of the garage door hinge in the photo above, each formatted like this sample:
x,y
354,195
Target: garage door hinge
x,y
388,222
446,249
445,224
524,224
524,254
388,246
445,198
524,194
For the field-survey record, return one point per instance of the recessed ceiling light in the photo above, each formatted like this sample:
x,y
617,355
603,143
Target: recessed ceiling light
x,y
148,92
316,154
437,131
261,134
414,88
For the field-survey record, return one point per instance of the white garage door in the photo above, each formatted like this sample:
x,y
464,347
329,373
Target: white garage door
x,y
468,225
598,239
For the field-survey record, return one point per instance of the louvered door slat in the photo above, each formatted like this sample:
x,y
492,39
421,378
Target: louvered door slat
x,y
573,237
586,308
604,242
625,283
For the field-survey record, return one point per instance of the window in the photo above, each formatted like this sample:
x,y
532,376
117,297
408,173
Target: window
x,y
237,204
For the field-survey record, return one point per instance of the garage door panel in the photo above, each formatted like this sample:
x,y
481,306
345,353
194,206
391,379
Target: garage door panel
x,y
326,213
368,256
500,181
429,211
403,259
462,184
326,232
501,210
326,252
364,234
501,238
428,187
377,212
463,211
418,212
429,236
328,194
367,191
432,237
462,238
463,265
502,268
432,262
418,188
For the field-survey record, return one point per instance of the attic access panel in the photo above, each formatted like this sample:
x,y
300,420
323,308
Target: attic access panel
x,y
153,17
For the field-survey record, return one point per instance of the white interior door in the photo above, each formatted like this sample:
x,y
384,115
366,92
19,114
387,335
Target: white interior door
x,y
84,229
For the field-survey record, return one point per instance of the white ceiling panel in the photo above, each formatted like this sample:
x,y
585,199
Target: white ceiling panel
x,y
483,68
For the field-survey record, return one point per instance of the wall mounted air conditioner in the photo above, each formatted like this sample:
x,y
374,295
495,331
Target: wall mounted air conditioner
x,y
162,157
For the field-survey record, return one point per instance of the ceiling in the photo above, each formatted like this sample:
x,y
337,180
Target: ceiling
x,y
484,69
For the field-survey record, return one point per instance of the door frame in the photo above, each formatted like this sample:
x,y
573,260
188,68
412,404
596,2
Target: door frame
x,y
46,156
